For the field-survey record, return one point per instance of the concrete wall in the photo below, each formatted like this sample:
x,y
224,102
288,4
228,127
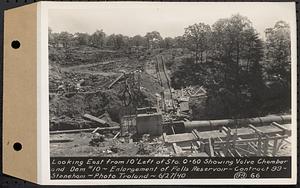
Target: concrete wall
x,y
149,124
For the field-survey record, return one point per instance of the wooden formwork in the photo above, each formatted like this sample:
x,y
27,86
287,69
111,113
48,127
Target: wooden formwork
x,y
227,142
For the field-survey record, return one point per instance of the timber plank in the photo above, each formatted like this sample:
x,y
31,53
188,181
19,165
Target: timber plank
x,y
243,133
184,137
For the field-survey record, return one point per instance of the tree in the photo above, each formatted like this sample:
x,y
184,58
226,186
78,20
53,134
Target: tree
x,y
179,42
235,46
98,39
120,41
82,38
110,41
238,50
117,41
168,42
51,37
65,38
278,52
153,39
232,73
196,38
277,67
138,40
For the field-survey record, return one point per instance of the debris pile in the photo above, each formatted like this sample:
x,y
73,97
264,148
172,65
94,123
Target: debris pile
x,y
67,113
97,139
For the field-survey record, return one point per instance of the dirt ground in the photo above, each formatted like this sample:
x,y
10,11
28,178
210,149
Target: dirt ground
x,y
78,144
78,84
94,69
122,146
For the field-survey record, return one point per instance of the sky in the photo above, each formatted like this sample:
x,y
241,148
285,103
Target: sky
x,y
169,19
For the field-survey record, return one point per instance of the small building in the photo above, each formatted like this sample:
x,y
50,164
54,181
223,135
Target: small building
x,y
184,104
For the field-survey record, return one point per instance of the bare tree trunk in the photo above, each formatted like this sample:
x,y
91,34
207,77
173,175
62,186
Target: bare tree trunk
x,y
201,56
197,47
248,59
237,67
237,54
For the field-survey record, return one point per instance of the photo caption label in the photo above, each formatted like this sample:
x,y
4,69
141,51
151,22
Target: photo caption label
x,y
169,168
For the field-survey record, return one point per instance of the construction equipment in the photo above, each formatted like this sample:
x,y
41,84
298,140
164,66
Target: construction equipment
x,y
131,98
131,90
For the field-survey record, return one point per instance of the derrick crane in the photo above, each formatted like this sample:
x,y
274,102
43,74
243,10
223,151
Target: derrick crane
x,y
130,96
131,89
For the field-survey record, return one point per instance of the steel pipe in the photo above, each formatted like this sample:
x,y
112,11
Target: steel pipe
x,y
233,123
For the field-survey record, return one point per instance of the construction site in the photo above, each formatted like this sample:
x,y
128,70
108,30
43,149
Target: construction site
x,y
124,105
220,89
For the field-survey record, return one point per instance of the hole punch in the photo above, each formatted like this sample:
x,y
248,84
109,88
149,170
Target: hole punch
x,y
17,146
15,44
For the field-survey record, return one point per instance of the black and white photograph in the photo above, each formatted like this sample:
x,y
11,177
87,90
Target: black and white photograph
x,y
170,80
150,93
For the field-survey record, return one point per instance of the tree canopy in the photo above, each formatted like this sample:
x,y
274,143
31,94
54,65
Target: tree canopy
x,y
229,58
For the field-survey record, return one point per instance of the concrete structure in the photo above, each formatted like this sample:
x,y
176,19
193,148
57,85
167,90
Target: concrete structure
x,y
149,124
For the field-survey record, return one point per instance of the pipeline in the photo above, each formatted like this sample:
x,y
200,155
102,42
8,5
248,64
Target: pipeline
x,y
207,125
85,130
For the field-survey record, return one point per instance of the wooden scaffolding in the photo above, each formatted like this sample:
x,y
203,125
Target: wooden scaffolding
x,y
226,142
